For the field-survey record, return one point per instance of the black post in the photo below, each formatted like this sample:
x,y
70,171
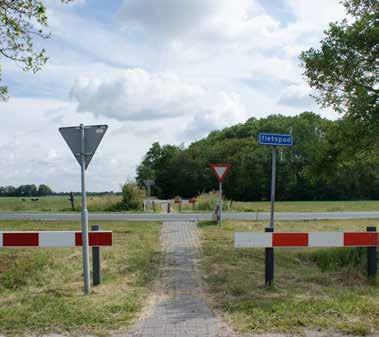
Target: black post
x,y
269,261
72,200
371,259
96,274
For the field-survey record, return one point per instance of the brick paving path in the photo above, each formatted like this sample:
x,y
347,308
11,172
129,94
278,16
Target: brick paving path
x,y
182,311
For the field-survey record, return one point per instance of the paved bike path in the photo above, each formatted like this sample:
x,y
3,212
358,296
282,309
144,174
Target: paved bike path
x,y
182,312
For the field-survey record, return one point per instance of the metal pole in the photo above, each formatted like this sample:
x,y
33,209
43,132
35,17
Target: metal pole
x,y
273,178
269,252
220,192
84,217
96,271
371,259
148,196
269,262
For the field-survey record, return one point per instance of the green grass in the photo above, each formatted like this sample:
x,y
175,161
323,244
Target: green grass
x,y
205,203
306,206
58,204
41,289
314,288
284,206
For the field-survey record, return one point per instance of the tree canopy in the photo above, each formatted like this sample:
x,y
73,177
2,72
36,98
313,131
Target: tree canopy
x,y
185,171
30,190
21,22
344,72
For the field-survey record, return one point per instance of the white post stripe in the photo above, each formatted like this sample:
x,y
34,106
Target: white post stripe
x,y
1,239
57,239
249,239
326,239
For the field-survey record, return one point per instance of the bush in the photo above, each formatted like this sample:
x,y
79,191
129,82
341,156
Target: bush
x,y
207,201
132,197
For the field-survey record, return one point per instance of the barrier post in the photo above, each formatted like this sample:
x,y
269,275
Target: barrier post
x,y
96,273
269,262
371,259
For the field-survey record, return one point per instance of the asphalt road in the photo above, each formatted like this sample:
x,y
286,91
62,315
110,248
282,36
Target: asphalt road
x,y
186,216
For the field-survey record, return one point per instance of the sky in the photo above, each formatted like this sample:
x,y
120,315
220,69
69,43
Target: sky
x,y
153,70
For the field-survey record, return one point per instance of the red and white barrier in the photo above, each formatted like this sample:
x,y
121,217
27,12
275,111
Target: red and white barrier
x,y
313,239
53,239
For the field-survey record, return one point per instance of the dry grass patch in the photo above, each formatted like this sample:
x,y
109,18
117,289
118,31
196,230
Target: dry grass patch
x,y
41,289
314,288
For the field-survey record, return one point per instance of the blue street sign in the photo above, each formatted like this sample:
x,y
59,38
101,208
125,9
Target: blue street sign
x,y
275,139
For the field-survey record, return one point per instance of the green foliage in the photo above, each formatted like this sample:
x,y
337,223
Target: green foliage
x,y
21,22
30,190
344,72
207,201
306,171
132,196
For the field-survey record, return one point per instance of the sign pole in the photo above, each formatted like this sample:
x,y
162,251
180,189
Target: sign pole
x,y
274,140
84,217
220,192
273,180
148,196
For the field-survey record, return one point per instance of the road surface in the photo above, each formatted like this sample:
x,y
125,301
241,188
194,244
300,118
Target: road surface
x,y
187,216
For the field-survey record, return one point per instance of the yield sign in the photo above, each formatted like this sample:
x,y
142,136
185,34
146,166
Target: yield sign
x,y
220,171
93,134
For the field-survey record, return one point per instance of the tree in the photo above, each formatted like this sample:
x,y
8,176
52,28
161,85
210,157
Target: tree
x,y
344,73
44,190
21,22
344,70
185,171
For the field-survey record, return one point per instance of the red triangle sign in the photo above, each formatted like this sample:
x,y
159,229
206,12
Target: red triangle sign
x,y
220,171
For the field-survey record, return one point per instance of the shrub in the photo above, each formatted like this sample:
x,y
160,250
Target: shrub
x,y
132,197
207,201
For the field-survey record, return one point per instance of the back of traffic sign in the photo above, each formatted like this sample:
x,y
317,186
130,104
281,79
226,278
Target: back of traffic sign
x,y
93,134
148,182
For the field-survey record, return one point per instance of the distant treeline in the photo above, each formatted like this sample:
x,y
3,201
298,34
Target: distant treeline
x,y
42,190
313,169
25,191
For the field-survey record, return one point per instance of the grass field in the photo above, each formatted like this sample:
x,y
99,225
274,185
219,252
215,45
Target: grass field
x,y
58,204
307,206
314,289
41,289
290,206
107,202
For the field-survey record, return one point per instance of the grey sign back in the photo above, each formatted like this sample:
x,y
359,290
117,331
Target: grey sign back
x,y
93,134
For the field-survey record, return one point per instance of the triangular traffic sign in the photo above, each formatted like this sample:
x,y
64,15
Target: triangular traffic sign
x,y
220,170
93,134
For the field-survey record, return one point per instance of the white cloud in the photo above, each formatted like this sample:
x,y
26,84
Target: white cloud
x,y
226,109
297,95
33,151
206,21
155,70
137,95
